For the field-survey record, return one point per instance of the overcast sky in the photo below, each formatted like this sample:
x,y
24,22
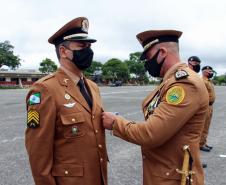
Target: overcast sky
x,y
28,24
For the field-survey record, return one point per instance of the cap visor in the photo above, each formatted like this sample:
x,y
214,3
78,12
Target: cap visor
x,y
87,39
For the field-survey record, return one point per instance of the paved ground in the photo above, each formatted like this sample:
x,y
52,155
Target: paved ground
x,y
125,160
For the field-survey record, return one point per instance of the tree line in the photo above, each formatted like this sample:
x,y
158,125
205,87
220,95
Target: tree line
x,y
114,70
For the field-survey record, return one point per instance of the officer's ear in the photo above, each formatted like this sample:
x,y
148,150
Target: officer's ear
x,y
62,51
162,53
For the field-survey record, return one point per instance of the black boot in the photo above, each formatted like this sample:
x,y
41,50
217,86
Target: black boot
x,y
210,147
204,148
204,165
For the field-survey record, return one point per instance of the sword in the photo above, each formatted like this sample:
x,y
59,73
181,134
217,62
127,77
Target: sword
x,y
186,171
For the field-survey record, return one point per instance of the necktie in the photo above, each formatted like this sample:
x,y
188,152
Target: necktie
x,y
84,92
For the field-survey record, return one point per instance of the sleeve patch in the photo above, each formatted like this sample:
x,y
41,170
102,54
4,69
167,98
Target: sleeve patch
x,y
175,95
35,99
33,119
181,74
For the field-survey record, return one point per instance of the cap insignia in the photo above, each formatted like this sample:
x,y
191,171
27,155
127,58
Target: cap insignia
x,y
85,25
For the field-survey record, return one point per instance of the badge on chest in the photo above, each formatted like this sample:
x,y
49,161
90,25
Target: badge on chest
x,y
152,105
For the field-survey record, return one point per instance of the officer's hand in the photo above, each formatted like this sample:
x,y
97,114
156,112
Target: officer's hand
x,y
108,120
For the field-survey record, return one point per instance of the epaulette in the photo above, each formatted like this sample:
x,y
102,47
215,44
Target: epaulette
x,y
47,77
181,74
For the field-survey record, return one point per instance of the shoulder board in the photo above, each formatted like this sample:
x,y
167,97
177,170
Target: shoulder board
x,y
181,74
47,77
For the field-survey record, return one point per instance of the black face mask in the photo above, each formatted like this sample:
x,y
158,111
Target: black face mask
x,y
196,68
152,65
210,75
82,58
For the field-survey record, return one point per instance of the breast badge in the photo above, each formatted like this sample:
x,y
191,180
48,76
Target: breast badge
x,y
69,105
67,96
152,105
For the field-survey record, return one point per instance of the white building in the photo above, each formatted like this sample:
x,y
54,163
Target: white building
x,y
20,77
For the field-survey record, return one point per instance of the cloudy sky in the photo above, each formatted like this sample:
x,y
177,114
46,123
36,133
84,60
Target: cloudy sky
x,y
28,24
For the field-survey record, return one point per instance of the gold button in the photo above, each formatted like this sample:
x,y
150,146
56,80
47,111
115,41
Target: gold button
x,y
167,173
100,146
101,159
93,116
66,172
96,131
73,119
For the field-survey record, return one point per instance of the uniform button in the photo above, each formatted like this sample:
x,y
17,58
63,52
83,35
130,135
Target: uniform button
x,y
96,131
101,159
66,172
100,146
143,156
167,173
73,119
93,116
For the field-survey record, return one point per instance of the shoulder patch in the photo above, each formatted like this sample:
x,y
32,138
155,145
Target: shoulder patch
x,y
175,95
35,99
33,119
181,74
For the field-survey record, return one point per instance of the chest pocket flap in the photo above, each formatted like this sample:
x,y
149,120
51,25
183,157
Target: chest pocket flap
x,y
72,118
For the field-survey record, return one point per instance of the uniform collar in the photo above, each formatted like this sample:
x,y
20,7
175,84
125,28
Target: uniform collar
x,y
74,77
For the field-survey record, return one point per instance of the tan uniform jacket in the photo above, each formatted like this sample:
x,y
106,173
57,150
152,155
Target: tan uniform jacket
x,y
68,147
210,88
168,128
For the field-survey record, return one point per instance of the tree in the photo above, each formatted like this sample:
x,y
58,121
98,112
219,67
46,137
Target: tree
x,y
136,67
47,66
7,56
219,80
114,69
95,66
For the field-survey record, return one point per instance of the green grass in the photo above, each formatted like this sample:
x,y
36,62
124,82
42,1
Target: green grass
x,y
10,87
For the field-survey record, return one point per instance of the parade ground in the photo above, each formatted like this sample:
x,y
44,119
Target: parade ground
x,y
125,167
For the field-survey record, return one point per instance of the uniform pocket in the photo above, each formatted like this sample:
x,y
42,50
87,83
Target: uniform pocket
x,y
70,174
69,170
73,125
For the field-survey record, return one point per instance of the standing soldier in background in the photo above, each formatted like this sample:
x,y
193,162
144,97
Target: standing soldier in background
x,y
194,63
174,115
207,74
65,139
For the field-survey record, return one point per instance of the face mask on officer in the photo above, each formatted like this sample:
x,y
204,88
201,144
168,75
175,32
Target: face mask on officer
x,y
196,67
152,65
82,58
210,75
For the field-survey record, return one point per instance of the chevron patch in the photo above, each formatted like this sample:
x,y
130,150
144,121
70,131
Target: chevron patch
x,y
33,119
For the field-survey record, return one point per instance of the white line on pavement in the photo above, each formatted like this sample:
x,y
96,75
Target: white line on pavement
x,y
222,156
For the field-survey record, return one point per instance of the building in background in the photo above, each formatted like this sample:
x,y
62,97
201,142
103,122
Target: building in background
x,y
20,78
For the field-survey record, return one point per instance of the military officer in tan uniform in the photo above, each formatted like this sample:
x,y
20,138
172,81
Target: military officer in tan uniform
x,y
174,114
65,139
194,63
207,74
